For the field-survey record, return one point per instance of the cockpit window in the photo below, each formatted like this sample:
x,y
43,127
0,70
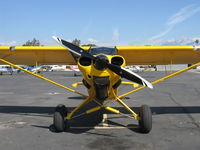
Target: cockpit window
x,y
103,50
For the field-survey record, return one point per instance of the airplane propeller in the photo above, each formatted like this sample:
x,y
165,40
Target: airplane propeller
x,y
101,62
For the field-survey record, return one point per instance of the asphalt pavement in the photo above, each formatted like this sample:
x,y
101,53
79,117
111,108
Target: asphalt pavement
x,y
27,105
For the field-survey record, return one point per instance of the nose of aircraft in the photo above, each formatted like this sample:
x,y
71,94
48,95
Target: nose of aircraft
x,y
101,62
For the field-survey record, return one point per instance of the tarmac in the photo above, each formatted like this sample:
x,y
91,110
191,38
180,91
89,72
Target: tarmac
x,y
27,105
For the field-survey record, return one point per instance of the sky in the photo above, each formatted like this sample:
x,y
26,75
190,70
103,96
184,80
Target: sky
x,y
100,22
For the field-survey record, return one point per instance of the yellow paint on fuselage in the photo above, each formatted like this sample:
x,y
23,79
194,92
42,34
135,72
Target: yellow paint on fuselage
x,y
90,71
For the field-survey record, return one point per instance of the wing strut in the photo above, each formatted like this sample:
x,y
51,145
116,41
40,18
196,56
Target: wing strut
x,y
41,77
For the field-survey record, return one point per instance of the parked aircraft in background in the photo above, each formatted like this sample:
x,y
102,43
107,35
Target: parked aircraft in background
x,y
58,68
198,68
135,68
75,69
37,69
31,68
6,69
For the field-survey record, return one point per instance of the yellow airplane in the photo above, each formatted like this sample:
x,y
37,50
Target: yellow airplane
x,y
102,69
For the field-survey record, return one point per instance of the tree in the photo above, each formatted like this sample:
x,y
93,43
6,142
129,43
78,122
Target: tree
x,y
91,45
197,41
76,42
34,42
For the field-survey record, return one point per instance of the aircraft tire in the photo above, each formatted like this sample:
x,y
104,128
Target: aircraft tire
x,y
59,121
145,122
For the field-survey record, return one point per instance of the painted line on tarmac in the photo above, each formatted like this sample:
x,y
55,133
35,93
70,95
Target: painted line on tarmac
x,y
6,93
99,127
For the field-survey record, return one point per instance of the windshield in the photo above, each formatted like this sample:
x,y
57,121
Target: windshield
x,y
104,50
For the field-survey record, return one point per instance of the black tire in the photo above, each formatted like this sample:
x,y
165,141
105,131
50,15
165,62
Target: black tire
x,y
145,122
59,121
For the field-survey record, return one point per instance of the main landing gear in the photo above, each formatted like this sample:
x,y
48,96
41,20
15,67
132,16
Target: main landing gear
x,y
144,118
59,121
145,121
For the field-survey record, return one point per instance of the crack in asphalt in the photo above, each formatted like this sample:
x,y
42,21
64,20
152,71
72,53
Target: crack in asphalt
x,y
197,91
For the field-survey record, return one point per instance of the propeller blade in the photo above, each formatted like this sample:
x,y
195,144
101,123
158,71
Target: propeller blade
x,y
127,74
73,48
124,73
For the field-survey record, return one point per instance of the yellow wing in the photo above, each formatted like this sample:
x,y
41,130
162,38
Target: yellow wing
x,y
43,55
134,55
159,55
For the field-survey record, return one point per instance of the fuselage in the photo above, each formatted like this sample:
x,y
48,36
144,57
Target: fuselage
x,y
101,82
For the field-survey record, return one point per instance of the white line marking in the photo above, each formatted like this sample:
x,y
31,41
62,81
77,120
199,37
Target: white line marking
x,y
2,93
101,127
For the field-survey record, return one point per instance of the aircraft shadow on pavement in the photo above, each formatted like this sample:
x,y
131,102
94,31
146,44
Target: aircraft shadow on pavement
x,y
87,122
77,98
49,110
